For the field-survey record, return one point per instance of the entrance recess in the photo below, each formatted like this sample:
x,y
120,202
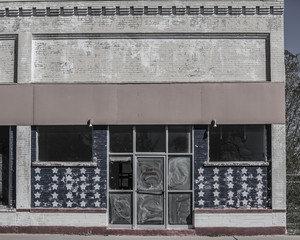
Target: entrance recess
x,y
150,177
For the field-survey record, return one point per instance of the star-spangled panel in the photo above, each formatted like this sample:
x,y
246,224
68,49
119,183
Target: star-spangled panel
x,y
227,187
72,187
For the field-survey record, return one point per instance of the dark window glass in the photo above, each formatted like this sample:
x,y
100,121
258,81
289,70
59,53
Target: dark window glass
x,y
65,143
150,139
120,208
120,139
237,143
179,139
120,173
4,165
180,208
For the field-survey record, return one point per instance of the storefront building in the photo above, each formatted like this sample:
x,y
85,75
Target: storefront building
x,y
142,117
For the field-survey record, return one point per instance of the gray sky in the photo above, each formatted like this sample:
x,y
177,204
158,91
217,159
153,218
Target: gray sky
x,y
292,25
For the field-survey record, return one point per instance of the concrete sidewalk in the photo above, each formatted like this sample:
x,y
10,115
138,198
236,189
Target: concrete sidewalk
x,y
100,237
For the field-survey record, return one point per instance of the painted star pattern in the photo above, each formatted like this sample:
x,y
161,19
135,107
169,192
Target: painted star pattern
x,y
231,187
68,187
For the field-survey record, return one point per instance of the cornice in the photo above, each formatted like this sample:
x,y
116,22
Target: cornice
x,y
109,11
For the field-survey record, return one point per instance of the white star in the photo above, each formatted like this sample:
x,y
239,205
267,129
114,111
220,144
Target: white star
x,y
37,203
37,186
244,178
259,177
68,178
201,194
230,194
201,186
259,201
216,193
200,170
37,178
82,203
37,170
82,195
200,178
82,186
54,178
54,195
68,171
259,186
83,178
54,186
97,203
82,170
97,171
245,202
37,195
216,202
54,170
259,193
96,178
216,170
216,185
69,195
245,193
69,186
230,170
230,185
97,195
97,187
201,202
229,178
216,178
259,171
244,170
54,204
69,203
245,185
230,201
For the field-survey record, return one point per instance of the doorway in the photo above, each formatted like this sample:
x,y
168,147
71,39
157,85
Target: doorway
x,y
150,177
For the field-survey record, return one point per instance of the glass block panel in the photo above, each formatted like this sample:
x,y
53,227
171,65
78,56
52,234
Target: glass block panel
x,y
120,208
120,139
120,173
180,173
65,143
179,139
180,208
150,139
150,209
237,143
150,173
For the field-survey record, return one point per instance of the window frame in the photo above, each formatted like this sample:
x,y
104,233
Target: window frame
x,y
265,162
37,162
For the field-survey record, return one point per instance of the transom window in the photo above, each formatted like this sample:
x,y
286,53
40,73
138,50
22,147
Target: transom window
x,y
150,175
237,143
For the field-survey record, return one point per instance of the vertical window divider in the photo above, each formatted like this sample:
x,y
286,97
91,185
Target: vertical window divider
x,y
166,197
108,173
134,190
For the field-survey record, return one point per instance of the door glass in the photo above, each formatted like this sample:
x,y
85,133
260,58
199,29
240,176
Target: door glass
x,y
150,209
150,173
179,173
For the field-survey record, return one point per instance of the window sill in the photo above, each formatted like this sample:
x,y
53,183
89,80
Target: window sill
x,y
236,164
64,164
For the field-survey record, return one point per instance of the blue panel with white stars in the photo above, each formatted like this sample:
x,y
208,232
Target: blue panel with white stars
x,y
227,187
72,187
